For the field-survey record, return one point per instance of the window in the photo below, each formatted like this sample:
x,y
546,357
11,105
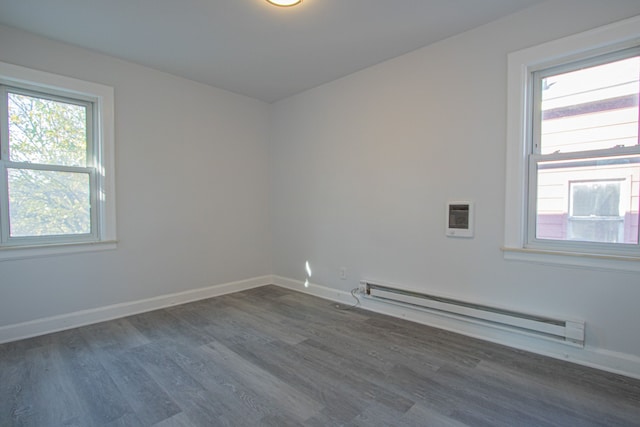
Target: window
x,y
56,164
594,213
584,122
573,150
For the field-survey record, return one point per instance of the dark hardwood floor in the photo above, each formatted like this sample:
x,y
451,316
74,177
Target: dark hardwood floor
x,y
275,357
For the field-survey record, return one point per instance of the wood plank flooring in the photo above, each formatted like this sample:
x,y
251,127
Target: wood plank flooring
x,y
274,357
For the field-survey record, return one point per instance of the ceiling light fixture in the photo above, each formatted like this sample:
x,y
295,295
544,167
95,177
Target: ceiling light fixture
x,y
284,3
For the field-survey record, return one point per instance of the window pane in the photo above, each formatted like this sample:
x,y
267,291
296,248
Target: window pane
x,y
47,132
592,200
591,108
595,199
44,203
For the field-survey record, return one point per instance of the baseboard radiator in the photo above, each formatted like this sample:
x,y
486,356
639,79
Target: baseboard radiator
x,y
568,331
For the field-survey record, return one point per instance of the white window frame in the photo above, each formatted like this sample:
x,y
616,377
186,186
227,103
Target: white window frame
x,y
521,65
101,152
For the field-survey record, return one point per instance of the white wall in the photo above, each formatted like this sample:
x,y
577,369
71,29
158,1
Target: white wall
x,y
192,190
362,168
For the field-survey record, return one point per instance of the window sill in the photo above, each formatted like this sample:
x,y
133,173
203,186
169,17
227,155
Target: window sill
x,y
573,259
9,253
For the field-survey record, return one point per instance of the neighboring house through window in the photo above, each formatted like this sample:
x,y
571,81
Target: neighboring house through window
x,y
573,152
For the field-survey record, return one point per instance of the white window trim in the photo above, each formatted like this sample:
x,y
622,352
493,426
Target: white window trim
x,y
521,64
103,97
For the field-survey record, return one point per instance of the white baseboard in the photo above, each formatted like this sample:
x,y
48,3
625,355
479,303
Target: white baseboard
x,y
605,360
316,290
86,317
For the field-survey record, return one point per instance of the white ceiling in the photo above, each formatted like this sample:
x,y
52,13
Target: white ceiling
x,y
248,46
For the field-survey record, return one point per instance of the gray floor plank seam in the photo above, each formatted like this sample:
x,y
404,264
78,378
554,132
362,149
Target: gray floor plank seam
x,y
274,357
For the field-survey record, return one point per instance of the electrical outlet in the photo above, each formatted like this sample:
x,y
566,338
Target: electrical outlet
x,y
343,273
362,288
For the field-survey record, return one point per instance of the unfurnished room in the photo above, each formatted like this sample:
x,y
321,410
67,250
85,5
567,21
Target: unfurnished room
x,y
319,213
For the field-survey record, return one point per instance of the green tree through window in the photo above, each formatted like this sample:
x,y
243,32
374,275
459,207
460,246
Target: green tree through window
x,y
48,181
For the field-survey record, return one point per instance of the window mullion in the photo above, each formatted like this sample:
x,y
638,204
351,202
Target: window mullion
x,y
90,123
535,113
52,168
4,125
4,156
532,201
592,154
4,203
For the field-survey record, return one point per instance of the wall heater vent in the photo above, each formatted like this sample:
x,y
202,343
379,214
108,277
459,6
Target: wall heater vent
x,y
569,331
